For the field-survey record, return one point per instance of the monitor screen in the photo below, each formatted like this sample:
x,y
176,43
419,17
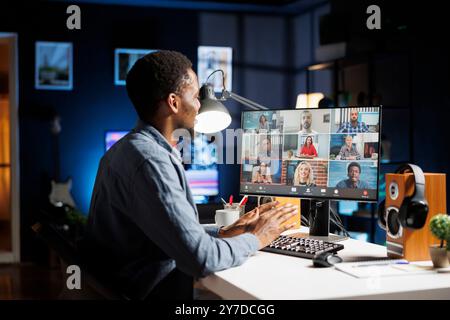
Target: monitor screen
x,y
202,174
112,137
311,153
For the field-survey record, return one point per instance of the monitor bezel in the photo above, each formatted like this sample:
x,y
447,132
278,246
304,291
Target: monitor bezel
x,y
318,196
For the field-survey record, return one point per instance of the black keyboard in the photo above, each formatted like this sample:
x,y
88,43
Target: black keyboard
x,y
301,247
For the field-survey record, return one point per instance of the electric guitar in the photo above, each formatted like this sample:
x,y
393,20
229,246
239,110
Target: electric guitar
x,y
60,191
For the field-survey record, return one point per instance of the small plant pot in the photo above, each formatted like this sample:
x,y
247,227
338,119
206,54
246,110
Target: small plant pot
x,y
439,257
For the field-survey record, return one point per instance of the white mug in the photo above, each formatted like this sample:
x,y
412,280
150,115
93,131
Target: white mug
x,y
225,217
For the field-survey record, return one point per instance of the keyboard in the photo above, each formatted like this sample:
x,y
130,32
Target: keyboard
x,y
301,247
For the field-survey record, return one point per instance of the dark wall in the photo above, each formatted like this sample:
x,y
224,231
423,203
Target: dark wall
x,y
414,75
270,74
94,105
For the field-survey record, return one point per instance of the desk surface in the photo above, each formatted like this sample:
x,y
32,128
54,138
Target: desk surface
x,y
271,276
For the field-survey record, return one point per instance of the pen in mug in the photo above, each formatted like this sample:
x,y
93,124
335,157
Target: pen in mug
x,y
231,200
243,201
224,202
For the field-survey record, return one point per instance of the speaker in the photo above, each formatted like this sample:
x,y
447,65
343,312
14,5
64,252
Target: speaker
x,y
412,198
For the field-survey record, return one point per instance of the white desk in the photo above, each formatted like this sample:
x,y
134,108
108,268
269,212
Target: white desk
x,y
272,276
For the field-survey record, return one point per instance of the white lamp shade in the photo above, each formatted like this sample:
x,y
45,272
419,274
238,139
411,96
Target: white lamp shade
x,y
212,121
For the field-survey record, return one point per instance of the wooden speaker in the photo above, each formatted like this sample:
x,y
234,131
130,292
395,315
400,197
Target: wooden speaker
x,y
405,243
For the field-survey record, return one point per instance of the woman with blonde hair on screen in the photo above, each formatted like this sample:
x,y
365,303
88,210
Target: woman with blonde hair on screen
x,y
303,175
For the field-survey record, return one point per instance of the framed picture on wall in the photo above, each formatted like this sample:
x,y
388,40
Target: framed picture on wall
x,y
213,58
53,68
124,59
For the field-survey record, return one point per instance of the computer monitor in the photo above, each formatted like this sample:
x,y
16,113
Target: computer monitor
x,y
202,173
318,154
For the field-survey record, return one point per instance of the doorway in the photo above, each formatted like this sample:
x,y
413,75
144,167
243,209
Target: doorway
x,y
9,151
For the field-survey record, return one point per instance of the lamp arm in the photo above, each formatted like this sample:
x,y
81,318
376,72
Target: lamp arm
x,y
249,103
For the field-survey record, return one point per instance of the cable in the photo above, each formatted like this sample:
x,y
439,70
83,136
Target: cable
x,y
341,227
336,214
305,221
334,218
341,224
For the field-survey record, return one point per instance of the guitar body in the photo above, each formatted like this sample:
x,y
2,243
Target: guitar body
x,y
60,194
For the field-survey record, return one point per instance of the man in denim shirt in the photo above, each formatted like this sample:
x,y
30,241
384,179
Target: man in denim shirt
x,y
143,234
353,126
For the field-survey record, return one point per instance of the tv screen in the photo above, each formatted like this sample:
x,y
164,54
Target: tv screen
x,y
312,153
202,173
112,137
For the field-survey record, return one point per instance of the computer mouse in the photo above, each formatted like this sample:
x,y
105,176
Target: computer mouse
x,y
326,259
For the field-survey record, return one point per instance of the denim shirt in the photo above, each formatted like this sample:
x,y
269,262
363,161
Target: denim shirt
x,y
143,222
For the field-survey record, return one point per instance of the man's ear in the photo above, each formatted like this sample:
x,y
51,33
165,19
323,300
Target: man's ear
x,y
173,102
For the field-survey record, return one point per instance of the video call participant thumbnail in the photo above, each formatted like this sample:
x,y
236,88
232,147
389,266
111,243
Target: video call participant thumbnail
x,y
353,126
263,123
353,180
308,149
306,121
261,174
259,122
348,150
304,175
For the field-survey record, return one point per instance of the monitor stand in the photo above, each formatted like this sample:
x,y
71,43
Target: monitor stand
x,y
319,222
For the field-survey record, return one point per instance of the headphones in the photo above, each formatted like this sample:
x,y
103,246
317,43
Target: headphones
x,y
412,212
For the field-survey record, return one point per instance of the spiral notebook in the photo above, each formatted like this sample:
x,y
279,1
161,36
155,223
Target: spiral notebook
x,y
383,268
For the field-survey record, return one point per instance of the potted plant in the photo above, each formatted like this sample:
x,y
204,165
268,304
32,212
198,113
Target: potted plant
x,y
440,228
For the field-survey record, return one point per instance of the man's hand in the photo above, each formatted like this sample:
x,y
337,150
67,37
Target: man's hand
x,y
247,222
270,225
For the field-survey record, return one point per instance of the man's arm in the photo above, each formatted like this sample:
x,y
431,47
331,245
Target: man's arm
x,y
212,230
160,208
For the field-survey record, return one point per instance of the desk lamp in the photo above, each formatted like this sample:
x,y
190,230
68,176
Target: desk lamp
x,y
213,116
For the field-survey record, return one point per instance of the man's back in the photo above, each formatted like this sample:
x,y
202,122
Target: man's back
x,y
116,243
143,222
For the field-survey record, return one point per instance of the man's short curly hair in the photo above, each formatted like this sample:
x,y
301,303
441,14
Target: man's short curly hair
x,y
353,164
153,77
